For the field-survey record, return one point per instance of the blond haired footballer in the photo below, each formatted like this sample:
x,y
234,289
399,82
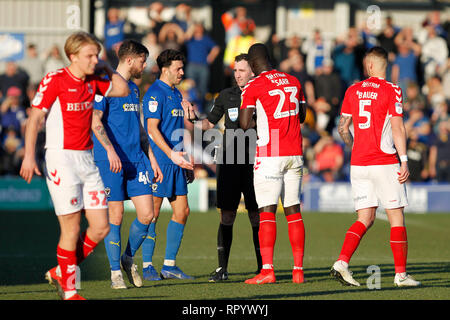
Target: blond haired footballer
x,y
64,100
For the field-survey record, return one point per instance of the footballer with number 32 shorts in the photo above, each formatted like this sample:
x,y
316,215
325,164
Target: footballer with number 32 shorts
x,y
278,101
375,108
65,100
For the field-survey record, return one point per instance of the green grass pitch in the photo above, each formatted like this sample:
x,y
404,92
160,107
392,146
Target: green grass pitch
x,y
28,243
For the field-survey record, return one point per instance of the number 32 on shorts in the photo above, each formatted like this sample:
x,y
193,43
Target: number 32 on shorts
x,y
95,198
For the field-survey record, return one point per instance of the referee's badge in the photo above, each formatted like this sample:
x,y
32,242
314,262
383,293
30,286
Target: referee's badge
x,y
233,114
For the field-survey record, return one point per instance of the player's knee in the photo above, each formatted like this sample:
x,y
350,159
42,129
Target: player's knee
x,y
146,218
100,232
228,217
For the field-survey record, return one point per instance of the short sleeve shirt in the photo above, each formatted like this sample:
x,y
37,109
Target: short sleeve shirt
x,y
371,103
121,120
164,103
68,102
276,96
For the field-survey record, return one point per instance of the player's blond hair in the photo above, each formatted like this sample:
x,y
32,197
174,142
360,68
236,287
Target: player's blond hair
x,y
77,40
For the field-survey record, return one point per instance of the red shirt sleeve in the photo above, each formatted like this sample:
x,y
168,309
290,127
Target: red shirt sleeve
x,y
395,107
248,96
103,85
47,92
346,108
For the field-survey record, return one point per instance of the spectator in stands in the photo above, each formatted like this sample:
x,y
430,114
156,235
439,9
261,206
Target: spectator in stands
x,y
201,53
439,159
446,79
417,153
329,158
171,36
346,60
316,50
287,45
434,54
327,84
114,35
419,123
150,41
182,16
390,23
386,40
237,45
12,146
32,64
440,114
328,87
414,99
14,77
295,66
155,16
53,60
12,112
434,92
273,44
236,22
114,29
404,69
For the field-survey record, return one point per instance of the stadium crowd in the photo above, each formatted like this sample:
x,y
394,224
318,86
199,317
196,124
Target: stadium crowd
x,y
419,64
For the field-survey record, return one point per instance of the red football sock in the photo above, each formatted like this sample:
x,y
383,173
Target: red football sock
x,y
351,241
399,246
296,230
67,261
267,236
85,246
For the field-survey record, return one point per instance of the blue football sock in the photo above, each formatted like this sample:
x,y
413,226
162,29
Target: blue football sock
x,y
113,246
136,236
148,246
174,236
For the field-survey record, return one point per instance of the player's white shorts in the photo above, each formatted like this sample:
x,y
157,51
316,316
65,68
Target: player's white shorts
x,y
74,181
372,185
276,177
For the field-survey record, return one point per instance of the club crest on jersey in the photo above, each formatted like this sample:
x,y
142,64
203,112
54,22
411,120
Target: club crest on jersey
x,y
153,106
89,86
136,93
233,113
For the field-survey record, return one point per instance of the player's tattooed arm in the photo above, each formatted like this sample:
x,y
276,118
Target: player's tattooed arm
x,y
115,164
99,129
344,130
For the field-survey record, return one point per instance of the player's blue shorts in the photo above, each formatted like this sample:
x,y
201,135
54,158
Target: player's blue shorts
x,y
174,182
135,179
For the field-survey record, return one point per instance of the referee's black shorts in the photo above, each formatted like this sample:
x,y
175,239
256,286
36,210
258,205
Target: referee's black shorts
x,y
232,180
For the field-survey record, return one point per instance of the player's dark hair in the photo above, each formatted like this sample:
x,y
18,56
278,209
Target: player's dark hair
x,y
131,48
378,52
240,57
259,58
167,56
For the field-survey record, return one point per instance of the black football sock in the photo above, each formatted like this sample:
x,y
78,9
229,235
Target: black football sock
x,y
256,245
224,239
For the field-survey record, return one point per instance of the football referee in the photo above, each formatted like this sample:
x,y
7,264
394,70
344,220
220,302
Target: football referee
x,y
233,177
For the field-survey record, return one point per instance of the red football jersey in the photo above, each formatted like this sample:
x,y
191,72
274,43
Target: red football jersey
x,y
276,96
69,101
371,103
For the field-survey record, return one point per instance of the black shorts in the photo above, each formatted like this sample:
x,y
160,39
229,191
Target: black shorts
x,y
232,180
